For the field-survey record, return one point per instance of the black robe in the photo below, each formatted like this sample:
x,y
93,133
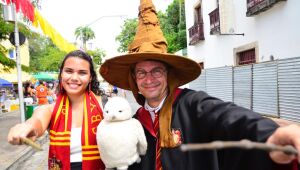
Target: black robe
x,y
202,118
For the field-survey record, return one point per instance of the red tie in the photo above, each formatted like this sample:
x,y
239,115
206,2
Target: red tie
x,y
156,130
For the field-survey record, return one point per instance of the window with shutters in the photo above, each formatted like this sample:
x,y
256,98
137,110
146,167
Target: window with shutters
x,y
255,7
246,54
214,18
196,32
247,57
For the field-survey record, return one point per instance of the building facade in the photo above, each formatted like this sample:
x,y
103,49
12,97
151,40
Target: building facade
x,y
11,76
238,32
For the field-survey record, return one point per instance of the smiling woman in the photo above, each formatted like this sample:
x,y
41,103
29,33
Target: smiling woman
x,y
73,118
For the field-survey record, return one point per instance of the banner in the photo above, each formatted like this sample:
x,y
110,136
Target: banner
x,y
25,6
3,2
48,30
35,17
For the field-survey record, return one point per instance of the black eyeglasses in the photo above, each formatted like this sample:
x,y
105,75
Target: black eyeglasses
x,y
156,73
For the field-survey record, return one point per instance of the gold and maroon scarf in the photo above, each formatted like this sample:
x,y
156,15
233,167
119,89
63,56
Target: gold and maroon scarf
x,y
60,134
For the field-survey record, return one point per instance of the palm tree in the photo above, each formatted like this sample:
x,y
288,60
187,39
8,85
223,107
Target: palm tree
x,y
84,33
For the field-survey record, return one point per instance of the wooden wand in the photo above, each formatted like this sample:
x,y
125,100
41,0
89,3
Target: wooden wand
x,y
31,143
242,144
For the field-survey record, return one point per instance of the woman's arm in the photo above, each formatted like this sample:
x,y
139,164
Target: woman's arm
x,y
33,127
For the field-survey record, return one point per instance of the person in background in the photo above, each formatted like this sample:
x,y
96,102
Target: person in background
x,y
115,90
29,92
51,96
172,116
41,93
2,98
72,120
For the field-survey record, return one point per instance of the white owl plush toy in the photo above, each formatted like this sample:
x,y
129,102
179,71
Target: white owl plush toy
x,y
120,138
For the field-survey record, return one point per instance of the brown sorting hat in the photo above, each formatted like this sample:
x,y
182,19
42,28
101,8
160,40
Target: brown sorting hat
x,y
150,44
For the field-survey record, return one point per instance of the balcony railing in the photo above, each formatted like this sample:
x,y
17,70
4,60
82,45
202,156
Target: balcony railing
x,y
214,21
196,33
255,7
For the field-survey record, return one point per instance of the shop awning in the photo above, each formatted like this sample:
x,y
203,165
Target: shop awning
x,y
44,76
13,78
5,83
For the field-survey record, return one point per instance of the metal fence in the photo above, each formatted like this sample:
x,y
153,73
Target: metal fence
x,y
269,88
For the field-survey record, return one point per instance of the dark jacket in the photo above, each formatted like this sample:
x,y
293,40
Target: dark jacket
x,y
202,118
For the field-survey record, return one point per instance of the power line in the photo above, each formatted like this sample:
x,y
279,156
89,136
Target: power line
x,y
106,16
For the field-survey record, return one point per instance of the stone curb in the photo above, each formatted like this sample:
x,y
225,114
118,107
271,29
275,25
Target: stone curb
x,y
26,153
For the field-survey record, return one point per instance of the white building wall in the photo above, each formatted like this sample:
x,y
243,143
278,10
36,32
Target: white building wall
x,y
274,30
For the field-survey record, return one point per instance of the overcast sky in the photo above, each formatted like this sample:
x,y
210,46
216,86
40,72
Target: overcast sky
x,y
66,15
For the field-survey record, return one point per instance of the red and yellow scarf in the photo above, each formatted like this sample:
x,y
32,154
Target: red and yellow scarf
x,y
60,134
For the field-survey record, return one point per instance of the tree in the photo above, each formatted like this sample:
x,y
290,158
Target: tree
x,y
84,34
97,55
127,34
172,23
44,55
174,26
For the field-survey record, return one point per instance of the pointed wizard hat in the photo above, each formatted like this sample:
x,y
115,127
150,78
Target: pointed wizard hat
x,y
150,44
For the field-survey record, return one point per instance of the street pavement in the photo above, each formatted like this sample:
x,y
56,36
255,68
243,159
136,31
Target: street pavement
x,y
12,155
23,157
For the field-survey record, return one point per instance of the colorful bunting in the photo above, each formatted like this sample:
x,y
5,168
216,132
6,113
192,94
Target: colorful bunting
x,y
48,30
25,6
36,18
3,2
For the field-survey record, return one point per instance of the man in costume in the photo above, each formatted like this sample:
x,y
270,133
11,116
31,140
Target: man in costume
x,y
41,93
172,116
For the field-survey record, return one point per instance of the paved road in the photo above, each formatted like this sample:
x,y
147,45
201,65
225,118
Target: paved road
x,y
38,161
8,153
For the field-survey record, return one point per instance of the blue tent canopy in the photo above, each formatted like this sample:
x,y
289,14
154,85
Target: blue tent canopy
x,y
5,83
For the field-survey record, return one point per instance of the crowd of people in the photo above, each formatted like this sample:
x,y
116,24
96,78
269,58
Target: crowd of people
x,y
40,92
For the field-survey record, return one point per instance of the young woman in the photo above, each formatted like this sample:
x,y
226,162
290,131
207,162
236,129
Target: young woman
x,y
72,120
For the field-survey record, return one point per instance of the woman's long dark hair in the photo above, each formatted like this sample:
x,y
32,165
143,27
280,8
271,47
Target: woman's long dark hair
x,y
80,54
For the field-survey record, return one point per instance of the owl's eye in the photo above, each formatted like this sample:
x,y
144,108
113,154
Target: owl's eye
x,y
120,111
106,111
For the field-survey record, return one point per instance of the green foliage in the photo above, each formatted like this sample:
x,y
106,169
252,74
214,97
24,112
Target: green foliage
x,y
174,27
172,23
6,62
127,34
44,55
97,55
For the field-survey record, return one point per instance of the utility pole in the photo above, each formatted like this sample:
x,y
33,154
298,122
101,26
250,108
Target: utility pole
x,y
11,15
19,69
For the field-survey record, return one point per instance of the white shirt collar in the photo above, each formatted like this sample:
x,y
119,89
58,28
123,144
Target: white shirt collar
x,y
154,110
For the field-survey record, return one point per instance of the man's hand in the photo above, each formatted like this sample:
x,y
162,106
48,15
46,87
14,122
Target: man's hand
x,y
285,135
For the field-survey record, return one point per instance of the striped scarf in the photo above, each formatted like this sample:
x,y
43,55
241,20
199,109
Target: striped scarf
x,y
60,133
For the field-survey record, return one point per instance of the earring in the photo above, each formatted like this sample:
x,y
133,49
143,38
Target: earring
x,y
90,87
61,89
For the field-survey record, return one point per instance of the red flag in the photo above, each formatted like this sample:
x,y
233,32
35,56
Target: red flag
x,y
3,2
26,8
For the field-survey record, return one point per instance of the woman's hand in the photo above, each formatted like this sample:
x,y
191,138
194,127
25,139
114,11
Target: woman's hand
x,y
285,135
20,131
